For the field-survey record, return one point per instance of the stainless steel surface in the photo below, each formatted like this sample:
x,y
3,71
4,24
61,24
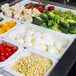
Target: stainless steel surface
x,y
58,4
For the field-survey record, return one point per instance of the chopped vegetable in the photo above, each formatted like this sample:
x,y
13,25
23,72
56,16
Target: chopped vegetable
x,y
50,8
44,25
6,26
37,20
44,17
64,23
6,50
72,29
55,22
66,15
32,65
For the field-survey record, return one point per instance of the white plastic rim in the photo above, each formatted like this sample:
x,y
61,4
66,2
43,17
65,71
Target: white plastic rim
x,y
8,19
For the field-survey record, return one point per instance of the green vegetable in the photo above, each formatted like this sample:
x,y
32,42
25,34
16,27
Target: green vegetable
x,y
37,20
72,24
50,23
72,29
55,27
57,19
64,30
44,11
51,15
66,15
74,17
44,17
44,25
64,23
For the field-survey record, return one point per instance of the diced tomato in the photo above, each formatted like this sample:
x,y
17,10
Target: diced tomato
x,y
13,48
7,55
42,5
3,53
50,8
9,45
30,7
1,46
2,58
40,9
35,5
4,44
8,50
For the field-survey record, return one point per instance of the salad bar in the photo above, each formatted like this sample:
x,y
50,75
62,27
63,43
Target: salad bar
x,y
34,37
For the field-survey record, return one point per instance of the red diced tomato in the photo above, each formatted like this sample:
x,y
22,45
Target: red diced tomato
x,y
4,44
40,9
2,58
30,7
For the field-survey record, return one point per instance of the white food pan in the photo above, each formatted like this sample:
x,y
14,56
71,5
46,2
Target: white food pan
x,y
5,19
57,36
14,54
28,52
23,2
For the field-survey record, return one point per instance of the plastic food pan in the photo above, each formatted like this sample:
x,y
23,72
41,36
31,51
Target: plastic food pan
x,y
29,52
23,2
56,36
12,43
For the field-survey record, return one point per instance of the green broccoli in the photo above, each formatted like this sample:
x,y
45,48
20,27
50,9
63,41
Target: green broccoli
x,y
72,24
72,29
51,15
44,17
55,27
57,19
64,30
37,20
64,23
44,25
50,23
74,17
44,11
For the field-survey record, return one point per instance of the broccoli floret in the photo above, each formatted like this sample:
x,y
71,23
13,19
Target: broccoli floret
x,y
72,24
50,23
57,19
37,20
44,17
51,15
74,17
64,30
55,27
45,11
64,23
44,25
72,29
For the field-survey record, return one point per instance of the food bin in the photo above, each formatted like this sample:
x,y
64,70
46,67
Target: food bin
x,y
23,3
28,52
57,36
7,19
8,49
